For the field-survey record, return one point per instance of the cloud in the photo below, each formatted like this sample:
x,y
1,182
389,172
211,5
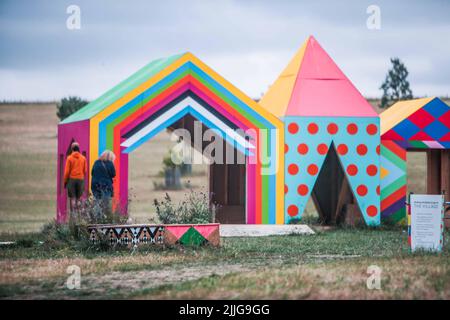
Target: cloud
x,y
248,42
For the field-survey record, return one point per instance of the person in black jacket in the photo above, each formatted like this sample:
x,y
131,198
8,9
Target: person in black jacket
x,y
103,173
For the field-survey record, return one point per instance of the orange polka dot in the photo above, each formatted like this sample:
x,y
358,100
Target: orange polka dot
x,y
293,169
332,128
292,210
371,129
352,170
313,169
302,189
352,128
342,149
361,149
313,128
361,190
372,170
293,128
322,148
372,211
302,148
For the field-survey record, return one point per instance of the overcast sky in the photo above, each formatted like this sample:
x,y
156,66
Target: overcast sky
x,y
248,42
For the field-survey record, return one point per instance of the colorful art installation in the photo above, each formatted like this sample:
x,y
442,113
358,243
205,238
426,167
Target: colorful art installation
x,y
158,95
418,124
134,236
312,113
321,110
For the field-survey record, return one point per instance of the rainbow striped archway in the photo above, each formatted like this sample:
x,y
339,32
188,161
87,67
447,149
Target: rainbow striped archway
x,y
155,97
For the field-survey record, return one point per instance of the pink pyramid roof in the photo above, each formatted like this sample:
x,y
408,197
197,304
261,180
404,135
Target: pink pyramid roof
x,y
322,89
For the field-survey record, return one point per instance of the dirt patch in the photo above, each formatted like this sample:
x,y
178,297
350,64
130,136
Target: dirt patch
x,y
125,283
147,279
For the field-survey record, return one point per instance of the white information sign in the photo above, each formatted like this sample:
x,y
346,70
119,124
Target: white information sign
x,y
426,222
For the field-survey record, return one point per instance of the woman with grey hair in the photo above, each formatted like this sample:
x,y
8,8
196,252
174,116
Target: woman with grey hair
x,y
103,173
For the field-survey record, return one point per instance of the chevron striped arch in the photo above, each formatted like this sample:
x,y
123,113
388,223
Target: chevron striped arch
x,y
160,94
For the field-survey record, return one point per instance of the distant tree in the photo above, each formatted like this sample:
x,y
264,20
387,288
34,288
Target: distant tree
x,y
69,105
396,86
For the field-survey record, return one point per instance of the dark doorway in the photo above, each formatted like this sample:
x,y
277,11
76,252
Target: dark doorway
x,y
227,187
227,181
332,195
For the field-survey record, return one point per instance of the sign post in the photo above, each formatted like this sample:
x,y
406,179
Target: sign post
x,y
426,222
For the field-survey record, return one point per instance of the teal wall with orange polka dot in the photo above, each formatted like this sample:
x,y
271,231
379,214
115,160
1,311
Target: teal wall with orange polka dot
x,y
357,143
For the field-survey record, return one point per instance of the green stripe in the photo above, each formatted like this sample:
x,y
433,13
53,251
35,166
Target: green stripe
x,y
265,185
399,216
394,186
418,144
388,154
235,106
111,125
121,89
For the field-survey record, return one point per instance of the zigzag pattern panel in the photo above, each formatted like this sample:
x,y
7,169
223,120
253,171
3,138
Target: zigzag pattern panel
x,y
133,236
393,181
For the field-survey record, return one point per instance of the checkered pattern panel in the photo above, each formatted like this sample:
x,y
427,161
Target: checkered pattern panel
x,y
428,127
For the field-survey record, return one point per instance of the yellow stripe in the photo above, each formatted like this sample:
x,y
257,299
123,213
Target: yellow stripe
x,y
277,97
279,208
280,180
94,121
235,91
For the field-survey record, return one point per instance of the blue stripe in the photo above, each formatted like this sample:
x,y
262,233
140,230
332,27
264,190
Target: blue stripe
x,y
158,129
141,97
189,65
178,116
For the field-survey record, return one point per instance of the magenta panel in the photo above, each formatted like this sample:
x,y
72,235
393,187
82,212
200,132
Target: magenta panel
x,y
67,133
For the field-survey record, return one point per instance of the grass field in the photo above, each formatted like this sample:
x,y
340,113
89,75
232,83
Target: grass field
x,y
331,264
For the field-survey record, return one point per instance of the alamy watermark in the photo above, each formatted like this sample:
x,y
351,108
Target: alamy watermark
x,y
73,21
227,146
74,280
373,22
374,280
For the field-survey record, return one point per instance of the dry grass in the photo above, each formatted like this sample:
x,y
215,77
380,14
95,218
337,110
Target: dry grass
x,y
401,278
15,271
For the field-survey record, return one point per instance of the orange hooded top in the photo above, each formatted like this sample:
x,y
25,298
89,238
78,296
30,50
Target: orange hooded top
x,y
76,166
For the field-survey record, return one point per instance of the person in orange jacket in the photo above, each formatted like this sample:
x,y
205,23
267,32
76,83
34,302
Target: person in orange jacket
x,y
74,174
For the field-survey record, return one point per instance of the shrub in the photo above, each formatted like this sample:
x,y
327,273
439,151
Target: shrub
x,y
68,106
75,234
95,212
58,235
194,209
